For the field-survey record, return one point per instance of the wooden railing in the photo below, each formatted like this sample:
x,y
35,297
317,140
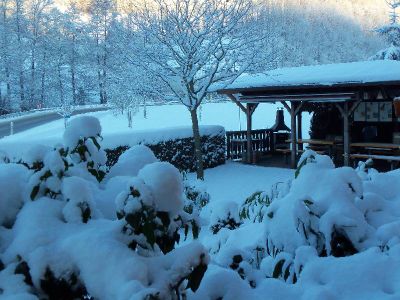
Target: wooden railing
x,y
236,142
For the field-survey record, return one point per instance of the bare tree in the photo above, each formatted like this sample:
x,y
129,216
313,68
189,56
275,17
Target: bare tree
x,y
191,45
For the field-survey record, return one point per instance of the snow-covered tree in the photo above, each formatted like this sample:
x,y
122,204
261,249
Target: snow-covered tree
x,y
190,45
392,34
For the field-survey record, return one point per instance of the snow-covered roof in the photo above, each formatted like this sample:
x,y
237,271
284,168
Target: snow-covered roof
x,y
355,73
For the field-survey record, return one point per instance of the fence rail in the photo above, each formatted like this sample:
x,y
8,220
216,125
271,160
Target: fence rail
x,y
236,142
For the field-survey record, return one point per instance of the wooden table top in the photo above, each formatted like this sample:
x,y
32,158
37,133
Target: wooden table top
x,y
376,145
315,142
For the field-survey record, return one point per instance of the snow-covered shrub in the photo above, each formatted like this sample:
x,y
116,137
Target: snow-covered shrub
x,y
59,260
152,207
80,206
82,138
131,161
225,215
59,242
179,151
4,159
13,178
320,211
114,154
166,184
196,196
49,173
34,157
254,207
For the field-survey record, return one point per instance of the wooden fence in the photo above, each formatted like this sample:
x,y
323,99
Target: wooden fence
x,y
236,142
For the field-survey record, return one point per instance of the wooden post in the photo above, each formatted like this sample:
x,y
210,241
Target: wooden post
x,y
346,135
345,112
293,135
248,132
300,129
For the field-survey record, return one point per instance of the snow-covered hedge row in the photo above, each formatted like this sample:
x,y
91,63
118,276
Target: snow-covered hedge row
x,y
174,145
72,229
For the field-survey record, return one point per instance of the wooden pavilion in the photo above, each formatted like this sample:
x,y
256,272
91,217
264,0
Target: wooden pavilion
x,y
363,92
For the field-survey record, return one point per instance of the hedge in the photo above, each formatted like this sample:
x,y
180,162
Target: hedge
x,y
179,151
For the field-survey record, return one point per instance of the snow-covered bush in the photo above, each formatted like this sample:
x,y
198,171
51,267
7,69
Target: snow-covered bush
x,y
82,138
34,157
320,211
54,238
4,159
178,149
152,207
131,161
225,215
196,196
80,206
254,207
13,178
49,173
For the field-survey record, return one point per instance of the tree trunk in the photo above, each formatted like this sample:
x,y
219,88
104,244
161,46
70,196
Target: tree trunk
x,y
43,79
60,83
18,13
129,115
197,145
33,79
73,80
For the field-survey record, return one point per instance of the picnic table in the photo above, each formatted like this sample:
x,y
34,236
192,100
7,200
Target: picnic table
x,y
390,152
377,146
329,144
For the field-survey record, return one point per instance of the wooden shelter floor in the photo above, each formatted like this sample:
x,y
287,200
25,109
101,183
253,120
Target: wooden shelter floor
x,y
272,161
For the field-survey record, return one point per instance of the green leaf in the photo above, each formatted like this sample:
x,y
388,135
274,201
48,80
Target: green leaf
x,y
35,191
195,230
186,228
308,202
278,269
148,231
95,142
194,279
46,175
287,273
303,163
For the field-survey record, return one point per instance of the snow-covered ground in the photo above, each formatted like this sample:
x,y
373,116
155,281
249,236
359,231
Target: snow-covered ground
x,y
235,181
226,114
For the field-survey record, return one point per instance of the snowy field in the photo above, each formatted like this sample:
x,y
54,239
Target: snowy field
x,y
167,116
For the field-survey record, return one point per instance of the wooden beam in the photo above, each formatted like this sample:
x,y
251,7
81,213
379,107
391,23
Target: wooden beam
x,y
346,134
345,112
286,106
253,107
339,107
293,135
299,107
299,130
249,114
236,101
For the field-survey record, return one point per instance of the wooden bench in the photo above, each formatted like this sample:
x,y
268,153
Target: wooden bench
x,y
389,158
286,153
